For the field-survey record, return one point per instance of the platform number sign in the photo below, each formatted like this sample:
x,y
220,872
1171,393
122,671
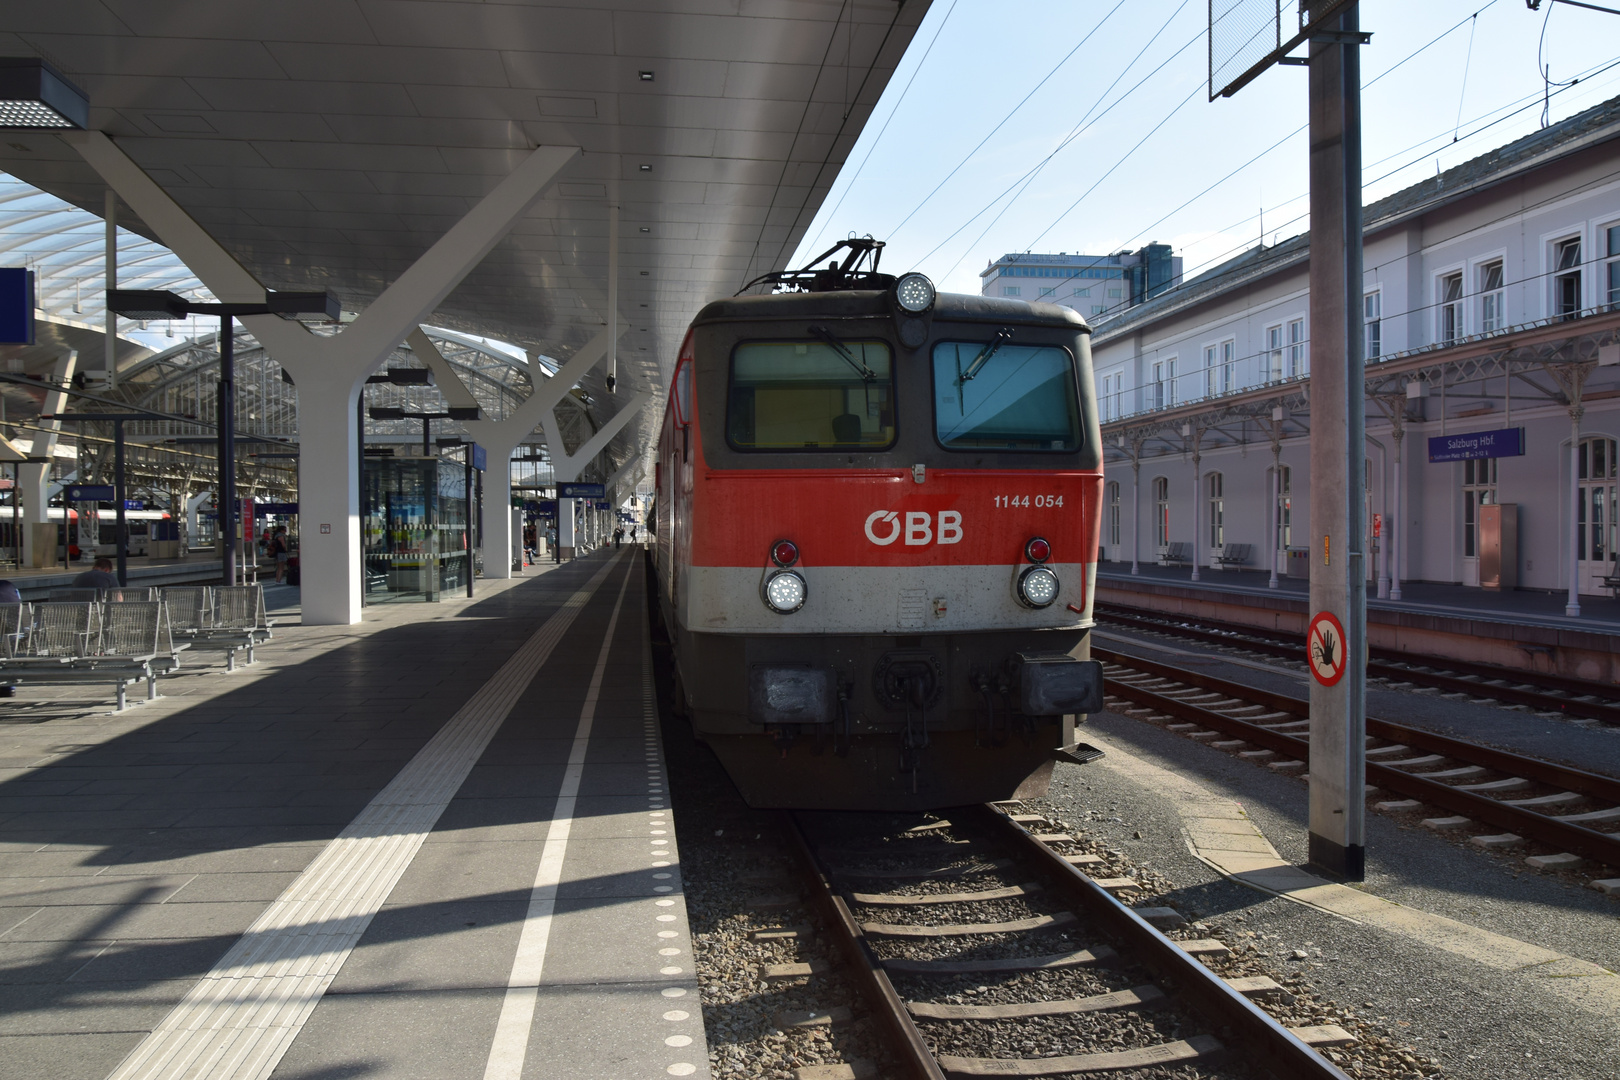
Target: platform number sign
x,y
1325,648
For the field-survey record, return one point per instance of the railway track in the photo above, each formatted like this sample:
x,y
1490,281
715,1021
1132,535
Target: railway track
x,y
1543,692
983,949
1529,799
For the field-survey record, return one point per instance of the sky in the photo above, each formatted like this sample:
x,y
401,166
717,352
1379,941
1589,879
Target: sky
x,y
1112,96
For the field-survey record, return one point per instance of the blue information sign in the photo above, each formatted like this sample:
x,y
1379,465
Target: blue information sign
x,y
480,458
16,306
581,491
88,493
1505,442
134,504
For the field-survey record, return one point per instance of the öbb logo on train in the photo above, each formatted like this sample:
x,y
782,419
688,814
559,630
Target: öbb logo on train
x,y
919,528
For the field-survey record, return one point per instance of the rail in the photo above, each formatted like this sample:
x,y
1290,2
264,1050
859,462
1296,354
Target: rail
x,y
1520,820
1217,1003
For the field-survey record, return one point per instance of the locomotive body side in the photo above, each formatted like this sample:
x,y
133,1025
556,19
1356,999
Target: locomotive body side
x,y
901,679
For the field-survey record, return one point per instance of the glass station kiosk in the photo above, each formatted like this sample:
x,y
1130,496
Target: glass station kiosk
x,y
415,536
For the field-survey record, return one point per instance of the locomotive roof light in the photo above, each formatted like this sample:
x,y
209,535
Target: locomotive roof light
x,y
784,553
1037,587
785,592
914,293
1037,550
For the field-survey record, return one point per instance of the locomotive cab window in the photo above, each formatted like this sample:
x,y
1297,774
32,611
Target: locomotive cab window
x,y
997,395
828,394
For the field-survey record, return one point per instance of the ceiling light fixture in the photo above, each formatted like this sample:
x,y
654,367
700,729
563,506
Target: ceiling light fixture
x,y
646,76
34,95
646,168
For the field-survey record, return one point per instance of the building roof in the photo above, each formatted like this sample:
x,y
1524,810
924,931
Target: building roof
x,y
1597,124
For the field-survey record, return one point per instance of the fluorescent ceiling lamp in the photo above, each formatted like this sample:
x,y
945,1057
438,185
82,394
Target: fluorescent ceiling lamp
x,y
34,95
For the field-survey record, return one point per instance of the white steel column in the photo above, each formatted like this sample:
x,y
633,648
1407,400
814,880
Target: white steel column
x,y
1136,506
501,438
34,477
330,370
1572,606
565,530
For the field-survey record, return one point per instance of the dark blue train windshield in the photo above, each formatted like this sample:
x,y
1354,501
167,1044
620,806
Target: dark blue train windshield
x,y
1000,396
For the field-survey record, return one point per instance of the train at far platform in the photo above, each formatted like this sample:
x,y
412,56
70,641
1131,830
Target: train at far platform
x,y
876,521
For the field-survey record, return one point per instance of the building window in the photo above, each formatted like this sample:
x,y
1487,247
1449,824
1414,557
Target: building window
x,y
1597,471
1114,294
1096,309
1372,324
1113,513
1161,511
1491,314
1163,391
1299,361
1274,353
1107,409
1479,489
1082,292
1217,513
1612,270
1047,292
1450,314
1218,363
1567,278
1012,290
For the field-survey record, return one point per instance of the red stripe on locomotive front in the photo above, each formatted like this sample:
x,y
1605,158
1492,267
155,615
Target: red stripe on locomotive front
x,y
842,517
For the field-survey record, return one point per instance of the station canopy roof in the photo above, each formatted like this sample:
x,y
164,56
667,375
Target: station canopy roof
x,y
328,144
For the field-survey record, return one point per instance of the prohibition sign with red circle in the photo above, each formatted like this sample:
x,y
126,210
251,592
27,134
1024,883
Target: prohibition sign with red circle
x,y
1325,648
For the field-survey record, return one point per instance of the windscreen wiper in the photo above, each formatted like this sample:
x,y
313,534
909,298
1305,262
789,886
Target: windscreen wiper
x,y
1003,336
825,335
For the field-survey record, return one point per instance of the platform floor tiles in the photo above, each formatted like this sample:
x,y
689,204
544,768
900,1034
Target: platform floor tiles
x,y
436,844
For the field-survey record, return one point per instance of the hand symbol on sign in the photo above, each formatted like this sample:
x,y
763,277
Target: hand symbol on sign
x,y
1326,649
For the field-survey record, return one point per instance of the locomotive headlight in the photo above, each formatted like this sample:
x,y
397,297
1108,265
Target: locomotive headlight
x,y
1037,586
914,293
785,592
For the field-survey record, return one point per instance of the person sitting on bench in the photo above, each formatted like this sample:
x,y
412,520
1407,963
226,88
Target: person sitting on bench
x,y
100,576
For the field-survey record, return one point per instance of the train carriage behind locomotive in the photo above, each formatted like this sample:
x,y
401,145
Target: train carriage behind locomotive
x,y
876,539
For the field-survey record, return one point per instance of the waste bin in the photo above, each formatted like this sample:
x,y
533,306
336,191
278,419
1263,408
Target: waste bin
x,y
1299,563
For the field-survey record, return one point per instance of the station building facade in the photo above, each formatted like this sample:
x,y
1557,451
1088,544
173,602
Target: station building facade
x,y
1491,306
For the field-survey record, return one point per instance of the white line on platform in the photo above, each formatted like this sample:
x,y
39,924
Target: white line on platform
x,y
511,1041
239,1020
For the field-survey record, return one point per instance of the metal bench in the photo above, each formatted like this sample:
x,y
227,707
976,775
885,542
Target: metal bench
x,y
1233,555
1612,583
72,643
229,619
1176,553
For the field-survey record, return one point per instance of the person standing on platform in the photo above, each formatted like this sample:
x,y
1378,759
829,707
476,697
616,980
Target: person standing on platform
x,y
279,550
632,534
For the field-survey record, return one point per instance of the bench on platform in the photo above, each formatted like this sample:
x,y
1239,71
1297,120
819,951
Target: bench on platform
x,y
222,618
1176,553
1233,555
1612,583
121,642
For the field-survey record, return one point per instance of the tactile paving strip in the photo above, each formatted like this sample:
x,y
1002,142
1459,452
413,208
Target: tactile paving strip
x,y
239,1020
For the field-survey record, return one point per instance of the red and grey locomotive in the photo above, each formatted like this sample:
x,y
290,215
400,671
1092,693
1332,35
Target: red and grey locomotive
x,y
877,517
